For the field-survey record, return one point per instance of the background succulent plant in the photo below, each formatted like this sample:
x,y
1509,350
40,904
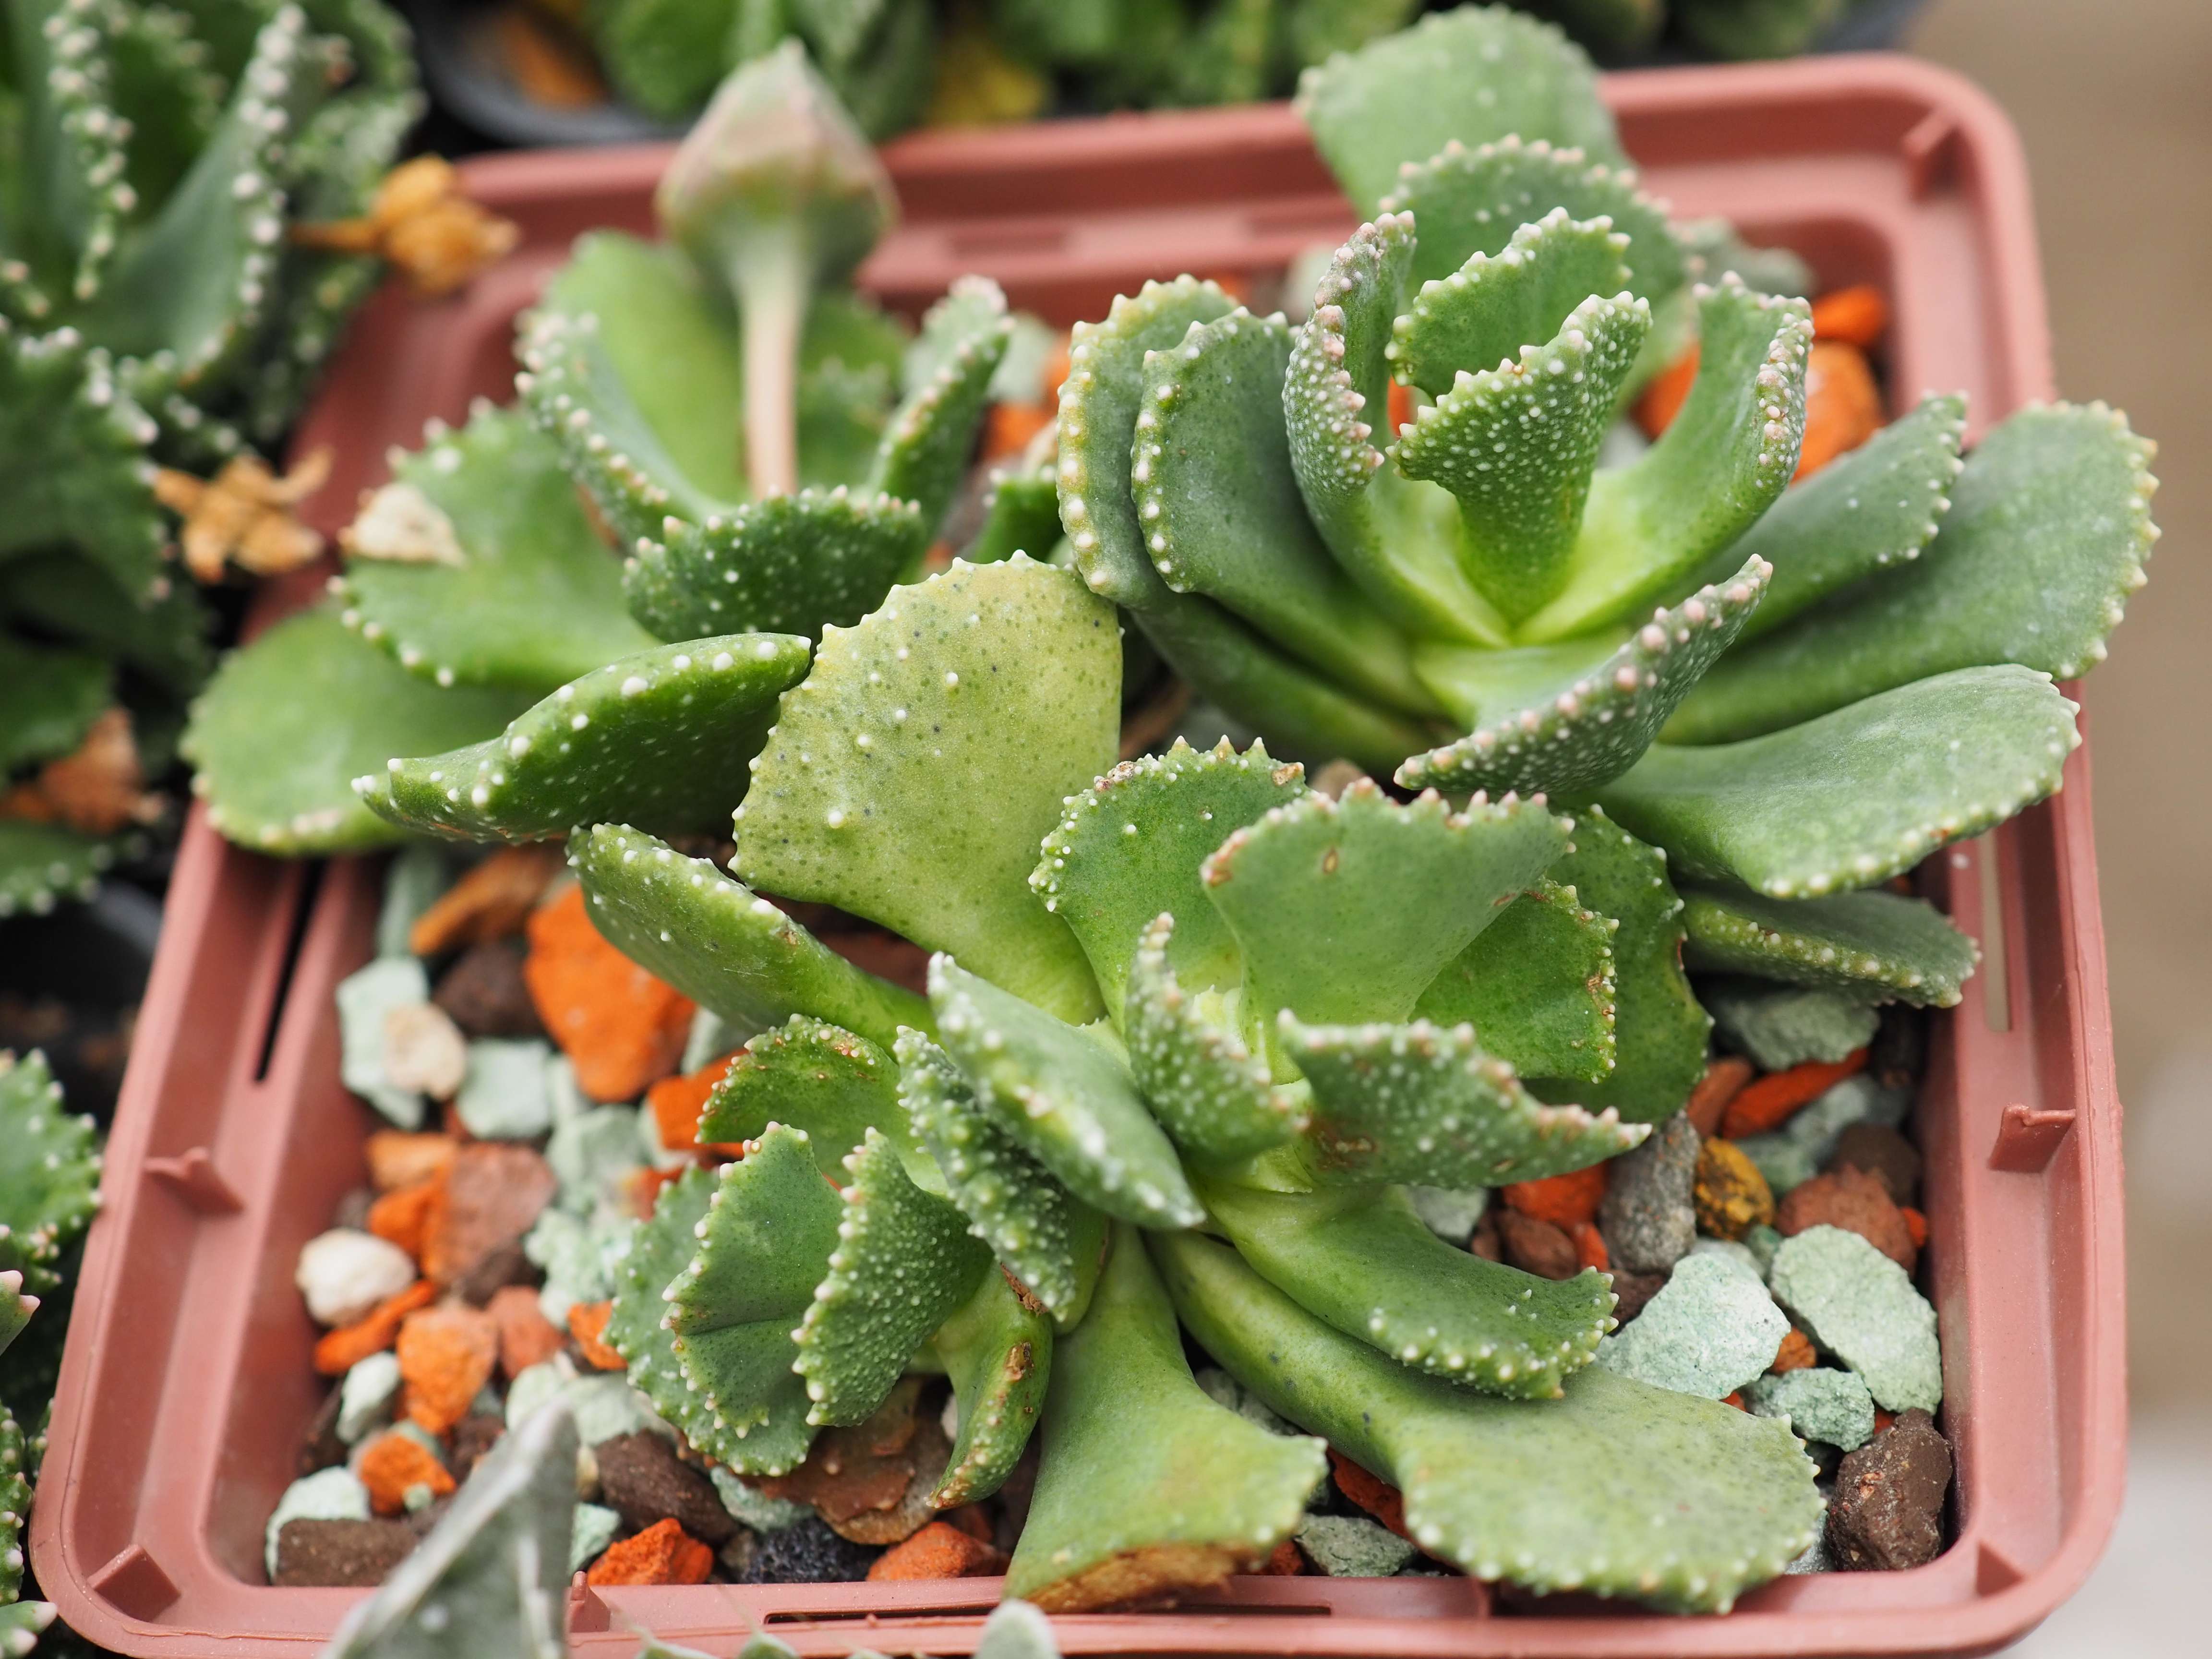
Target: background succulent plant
x,y
48,1186
896,63
1179,994
769,450
157,321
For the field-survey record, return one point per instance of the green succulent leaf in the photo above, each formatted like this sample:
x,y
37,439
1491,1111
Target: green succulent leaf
x,y
1471,200
790,563
50,1181
1659,1027
1359,1260
1425,1105
190,283
1492,306
1400,100
830,1082
977,703
1049,1239
14,1493
1537,985
904,1263
1877,945
1129,847
1859,795
1065,1096
1221,657
770,1227
1098,409
635,365
725,947
1872,509
292,718
1346,909
476,565
1569,718
1653,525
2049,527
1021,514
73,150
1215,1100
661,1248
78,599
925,449
41,864
1535,1492
73,464
1339,372
1521,505
15,1311
49,699
1146,1485
1220,510
997,1350
658,739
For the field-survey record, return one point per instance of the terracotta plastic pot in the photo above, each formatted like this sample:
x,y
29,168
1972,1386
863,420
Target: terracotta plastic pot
x,y
187,1379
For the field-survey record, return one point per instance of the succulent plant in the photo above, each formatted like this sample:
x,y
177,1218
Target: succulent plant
x,y
49,1185
1793,693
1175,1001
157,321
734,414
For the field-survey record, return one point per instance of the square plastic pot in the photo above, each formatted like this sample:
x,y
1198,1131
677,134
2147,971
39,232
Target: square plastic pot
x,y
187,1379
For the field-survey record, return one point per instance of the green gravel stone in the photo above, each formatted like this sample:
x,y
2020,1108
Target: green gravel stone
x,y
1820,1404
1352,1546
1711,1329
1860,1306
1781,1026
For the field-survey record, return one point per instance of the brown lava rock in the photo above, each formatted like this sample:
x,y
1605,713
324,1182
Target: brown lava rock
x,y
1537,1246
348,1554
319,1446
643,1480
1856,1202
494,1191
1634,1290
1888,1512
484,993
1486,1242
473,1435
1883,1153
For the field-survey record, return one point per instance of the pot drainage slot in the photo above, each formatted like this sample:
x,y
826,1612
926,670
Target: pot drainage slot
x,y
303,909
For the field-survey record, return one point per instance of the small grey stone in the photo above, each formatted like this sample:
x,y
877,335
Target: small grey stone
x,y
1860,1306
1821,1404
591,1151
503,1095
754,1507
594,1529
1762,1241
364,998
1795,1153
1352,1546
1709,1332
1647,1219
412,884
1450,1214
365,1393
1816,1557
1780,1026
1786,1165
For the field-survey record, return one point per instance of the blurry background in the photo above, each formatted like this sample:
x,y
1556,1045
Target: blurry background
x,y
2114,100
